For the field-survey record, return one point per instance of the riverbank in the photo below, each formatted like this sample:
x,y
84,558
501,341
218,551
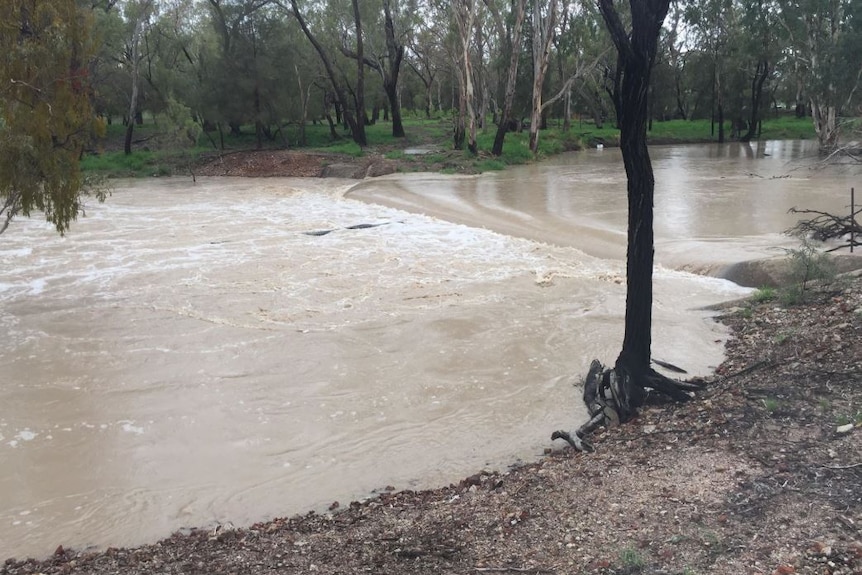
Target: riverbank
x,y
761,473
427,147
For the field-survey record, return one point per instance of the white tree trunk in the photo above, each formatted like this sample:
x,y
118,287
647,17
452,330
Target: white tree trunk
x,y
543,30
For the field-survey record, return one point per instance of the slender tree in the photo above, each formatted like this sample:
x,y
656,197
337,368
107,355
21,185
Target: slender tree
x,y
616,394
511,39
544,23
465,122
354,115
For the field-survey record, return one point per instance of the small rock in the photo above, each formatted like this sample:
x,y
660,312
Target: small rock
x,y
843,429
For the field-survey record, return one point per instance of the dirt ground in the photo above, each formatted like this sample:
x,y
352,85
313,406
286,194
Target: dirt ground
x,y
269,163
760,473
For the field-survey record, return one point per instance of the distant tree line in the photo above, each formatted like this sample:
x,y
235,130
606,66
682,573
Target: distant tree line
x,y
485,63
221,66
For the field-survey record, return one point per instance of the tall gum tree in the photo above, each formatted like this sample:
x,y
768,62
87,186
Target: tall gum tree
x,y
614,395
825,36
464,12
510,39
544,20
354,116
46,111
387,62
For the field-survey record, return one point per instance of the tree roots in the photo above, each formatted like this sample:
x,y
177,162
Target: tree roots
x,y
613,396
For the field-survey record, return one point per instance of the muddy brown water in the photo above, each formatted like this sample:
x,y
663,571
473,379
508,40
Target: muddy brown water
x,y
188,355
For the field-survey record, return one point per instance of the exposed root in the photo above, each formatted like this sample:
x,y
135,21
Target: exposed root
x,y
613,396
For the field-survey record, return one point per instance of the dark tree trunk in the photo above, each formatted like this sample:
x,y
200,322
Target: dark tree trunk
x,y
390,80
614,395
761,73
511,79
680,105
637,53
333,132
720,121
359,97
353,122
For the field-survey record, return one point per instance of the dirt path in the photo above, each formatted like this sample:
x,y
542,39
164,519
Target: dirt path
x,y
751,477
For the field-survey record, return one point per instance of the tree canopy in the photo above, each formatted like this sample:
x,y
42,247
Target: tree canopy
x,y
270,67
47,114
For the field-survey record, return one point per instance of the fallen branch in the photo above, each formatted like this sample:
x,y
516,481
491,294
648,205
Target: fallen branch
x,y
825,226
511,569
841,467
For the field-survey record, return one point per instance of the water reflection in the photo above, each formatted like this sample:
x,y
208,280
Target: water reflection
x,y
736,195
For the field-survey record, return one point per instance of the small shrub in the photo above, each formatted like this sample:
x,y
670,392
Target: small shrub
x,y
764,294
807,265
631,559
771,405
782,337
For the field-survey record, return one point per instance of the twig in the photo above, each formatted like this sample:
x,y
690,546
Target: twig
x,y
741,372
750,368
839,467
511,569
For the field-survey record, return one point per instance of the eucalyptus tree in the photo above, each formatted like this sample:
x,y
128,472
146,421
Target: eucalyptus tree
x,y
760,43
45,109
586,40
673,47
543,20
108,68
616,394
710,23
579,52
349,92
425,54
508,24
384,52
181,66
826,40
137,13
464,13
251,61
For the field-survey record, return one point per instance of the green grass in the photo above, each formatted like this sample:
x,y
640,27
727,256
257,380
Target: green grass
x,y
119,165
631,559
149,159
855,419
771,405
764,294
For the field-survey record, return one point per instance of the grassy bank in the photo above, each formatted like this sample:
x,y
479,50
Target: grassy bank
x,y
152,157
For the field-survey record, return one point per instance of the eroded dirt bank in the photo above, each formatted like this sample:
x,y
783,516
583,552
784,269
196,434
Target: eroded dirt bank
x,y
751,477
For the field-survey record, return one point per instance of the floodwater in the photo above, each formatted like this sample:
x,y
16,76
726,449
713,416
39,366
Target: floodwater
x,y
188,355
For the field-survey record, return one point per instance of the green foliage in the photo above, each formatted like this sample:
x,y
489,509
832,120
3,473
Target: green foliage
x,y
783,337
807,265
631,559
764,294
844,419
489,165
47,119
771,405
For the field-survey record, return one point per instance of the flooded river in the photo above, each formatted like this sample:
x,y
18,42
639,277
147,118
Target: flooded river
x,y
188,354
